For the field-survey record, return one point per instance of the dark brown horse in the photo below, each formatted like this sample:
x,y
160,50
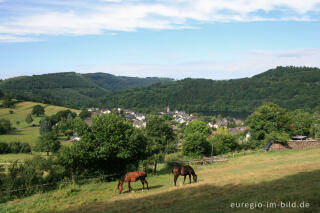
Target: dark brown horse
x,y
184,171
132,177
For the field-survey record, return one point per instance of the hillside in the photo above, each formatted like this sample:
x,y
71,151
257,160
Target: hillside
x,y
260,177
26,132
118,83
70,89
290,87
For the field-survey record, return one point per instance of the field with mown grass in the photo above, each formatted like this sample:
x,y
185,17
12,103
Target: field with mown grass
x,y
259,177
24,132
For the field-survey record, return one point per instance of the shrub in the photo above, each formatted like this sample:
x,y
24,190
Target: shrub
x,y
224,143
38,110
5,126
25,148
195,145
15,147
4,148
29,119
48,143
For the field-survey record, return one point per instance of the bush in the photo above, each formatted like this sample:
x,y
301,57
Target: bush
x,y
38,110
195,145
25,148
29,174
4,148
5,126
15,147
48,143
29,119
224,143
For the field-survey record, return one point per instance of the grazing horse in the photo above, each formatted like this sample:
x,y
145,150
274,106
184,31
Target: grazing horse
x,y
184,171
132,177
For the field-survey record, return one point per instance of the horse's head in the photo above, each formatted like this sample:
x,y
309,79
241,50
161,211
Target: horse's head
x,y
195,178
120,186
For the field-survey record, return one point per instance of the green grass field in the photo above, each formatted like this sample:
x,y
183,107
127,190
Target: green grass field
x,y
24,132
258,178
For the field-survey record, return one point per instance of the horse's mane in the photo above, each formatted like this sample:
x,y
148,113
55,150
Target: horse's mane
x,y
191,169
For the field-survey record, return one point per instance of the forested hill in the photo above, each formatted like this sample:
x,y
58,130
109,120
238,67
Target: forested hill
x,y
71,89
118,83
290,87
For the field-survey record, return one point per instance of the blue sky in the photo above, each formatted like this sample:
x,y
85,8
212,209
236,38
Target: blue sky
x,y
216,39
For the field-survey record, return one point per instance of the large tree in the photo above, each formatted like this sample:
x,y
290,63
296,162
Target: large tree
x,y
267,119
84,114
195,145
197,126
45,125
38,110
111,144
48,142
301,122
161,138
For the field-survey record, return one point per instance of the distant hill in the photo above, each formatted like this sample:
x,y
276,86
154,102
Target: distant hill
x,y
290,87
71,89
118,83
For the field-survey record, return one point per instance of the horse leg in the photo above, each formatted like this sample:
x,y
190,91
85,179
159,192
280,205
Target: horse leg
x,y
129,186
184,180
175,180
146,183
189,179
142,184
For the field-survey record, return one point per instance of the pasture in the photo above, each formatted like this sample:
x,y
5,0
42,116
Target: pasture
x,y
25,132
258,177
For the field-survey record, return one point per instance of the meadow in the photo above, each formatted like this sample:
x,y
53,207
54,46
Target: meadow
x,y
255,178
24,132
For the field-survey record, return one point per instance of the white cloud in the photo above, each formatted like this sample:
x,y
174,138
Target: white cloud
x,y
74,17
254,63
8,38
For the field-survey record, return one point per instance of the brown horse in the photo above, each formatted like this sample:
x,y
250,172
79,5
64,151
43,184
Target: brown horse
x,y
184,171
132,177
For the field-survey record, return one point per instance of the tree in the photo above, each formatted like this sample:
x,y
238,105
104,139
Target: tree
x,y
111,144
29,119
4,148
5,126
315,127
62,115
1,94
266,119
47,142
224,143
161,138
301,122
84,114
38,110
7,102
281,137
45,126
80,127
195,145
197,126
158,127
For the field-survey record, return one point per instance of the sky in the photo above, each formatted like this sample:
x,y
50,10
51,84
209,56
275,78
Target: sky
x,y
214,39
